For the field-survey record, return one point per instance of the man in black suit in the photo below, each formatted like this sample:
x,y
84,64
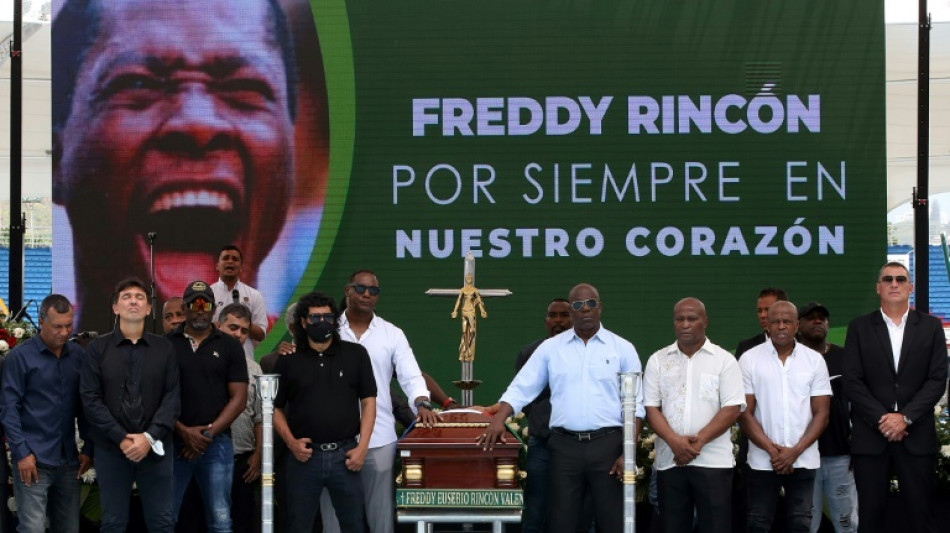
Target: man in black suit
x,y
767,297
895,371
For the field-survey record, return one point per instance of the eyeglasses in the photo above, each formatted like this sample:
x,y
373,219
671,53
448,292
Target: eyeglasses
x,y
360,289
579,304
890,279
201,305
316,318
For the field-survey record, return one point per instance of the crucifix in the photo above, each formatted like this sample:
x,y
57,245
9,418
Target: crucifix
x,y
469,299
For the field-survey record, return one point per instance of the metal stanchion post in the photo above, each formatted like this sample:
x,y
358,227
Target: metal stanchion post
x,y
630,383
267,388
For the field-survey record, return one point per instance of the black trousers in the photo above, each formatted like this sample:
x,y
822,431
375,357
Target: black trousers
x,y
581,467
245,505
707,491
762,497
916,475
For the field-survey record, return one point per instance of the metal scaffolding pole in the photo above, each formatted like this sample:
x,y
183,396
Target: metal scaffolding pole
x,y
921,202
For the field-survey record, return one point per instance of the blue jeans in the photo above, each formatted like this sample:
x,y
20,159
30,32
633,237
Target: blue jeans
x,y
152,476
763,494
56,493
835,481
214,472
303,483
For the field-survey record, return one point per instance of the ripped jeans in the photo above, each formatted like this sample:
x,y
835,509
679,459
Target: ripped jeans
x,y
214,470
834,483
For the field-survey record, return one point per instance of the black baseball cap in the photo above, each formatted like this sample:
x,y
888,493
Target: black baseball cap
x,y
811,307
198,289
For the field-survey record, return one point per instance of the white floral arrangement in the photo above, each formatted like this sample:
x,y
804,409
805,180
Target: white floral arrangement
x,y
942,422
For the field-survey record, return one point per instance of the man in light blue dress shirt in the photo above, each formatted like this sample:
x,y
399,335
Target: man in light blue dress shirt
x,y
581,367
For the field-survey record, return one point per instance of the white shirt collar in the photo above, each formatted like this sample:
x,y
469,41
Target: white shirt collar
x,y
887,319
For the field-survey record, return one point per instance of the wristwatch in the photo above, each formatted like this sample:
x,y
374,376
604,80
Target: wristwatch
x,y
424,403
907,421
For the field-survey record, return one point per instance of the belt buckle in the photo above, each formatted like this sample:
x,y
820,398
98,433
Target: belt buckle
x,y
583,436
328,446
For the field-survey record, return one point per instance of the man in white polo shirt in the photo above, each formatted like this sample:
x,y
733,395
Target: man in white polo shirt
x,y
230,289
693,393
789,396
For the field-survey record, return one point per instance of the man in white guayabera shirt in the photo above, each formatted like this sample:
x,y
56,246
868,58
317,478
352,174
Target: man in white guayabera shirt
x,y
692,390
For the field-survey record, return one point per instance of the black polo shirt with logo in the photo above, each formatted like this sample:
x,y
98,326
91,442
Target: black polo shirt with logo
x,y
320,393
206,373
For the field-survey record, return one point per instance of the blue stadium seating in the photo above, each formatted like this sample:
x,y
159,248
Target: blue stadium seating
x,y
939,282
37,276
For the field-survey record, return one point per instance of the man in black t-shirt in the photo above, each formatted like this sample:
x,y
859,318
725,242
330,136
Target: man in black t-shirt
x,y
213,394
834,479
326,397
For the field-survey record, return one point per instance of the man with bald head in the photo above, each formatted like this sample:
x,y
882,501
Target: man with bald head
x,y
580,366
788,394
692,391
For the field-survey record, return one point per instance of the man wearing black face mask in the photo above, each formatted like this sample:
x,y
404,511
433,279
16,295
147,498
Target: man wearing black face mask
x,y
336,376
213,393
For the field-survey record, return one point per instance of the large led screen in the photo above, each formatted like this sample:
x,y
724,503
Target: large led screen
x,y
657,150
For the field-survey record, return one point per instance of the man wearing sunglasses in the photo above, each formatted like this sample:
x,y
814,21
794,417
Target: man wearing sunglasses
x,y
557,320
895,371
580,366
391,355
326,398
213,393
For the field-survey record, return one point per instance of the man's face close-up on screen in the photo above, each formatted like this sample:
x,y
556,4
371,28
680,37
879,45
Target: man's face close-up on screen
x,y
180,126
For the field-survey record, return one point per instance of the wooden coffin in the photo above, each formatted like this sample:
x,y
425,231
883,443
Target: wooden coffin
x,y
446,456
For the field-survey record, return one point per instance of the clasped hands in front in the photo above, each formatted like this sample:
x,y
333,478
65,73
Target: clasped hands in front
x,y
892,426
194,440
783,458
135,446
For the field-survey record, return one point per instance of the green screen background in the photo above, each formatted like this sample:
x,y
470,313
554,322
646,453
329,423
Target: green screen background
x,y
379,56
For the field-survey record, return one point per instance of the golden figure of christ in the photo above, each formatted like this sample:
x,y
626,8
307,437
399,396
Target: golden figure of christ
x,y
469,302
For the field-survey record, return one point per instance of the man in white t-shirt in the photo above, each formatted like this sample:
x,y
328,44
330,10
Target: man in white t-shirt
x,y
693,393
789,397
230,290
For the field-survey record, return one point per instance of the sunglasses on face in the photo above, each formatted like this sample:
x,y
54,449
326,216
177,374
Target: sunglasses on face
x,y
890,279
200,305
579,304
316,318
360,289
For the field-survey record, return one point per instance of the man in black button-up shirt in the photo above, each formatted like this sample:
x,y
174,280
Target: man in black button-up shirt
x,y
40,400
129,390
